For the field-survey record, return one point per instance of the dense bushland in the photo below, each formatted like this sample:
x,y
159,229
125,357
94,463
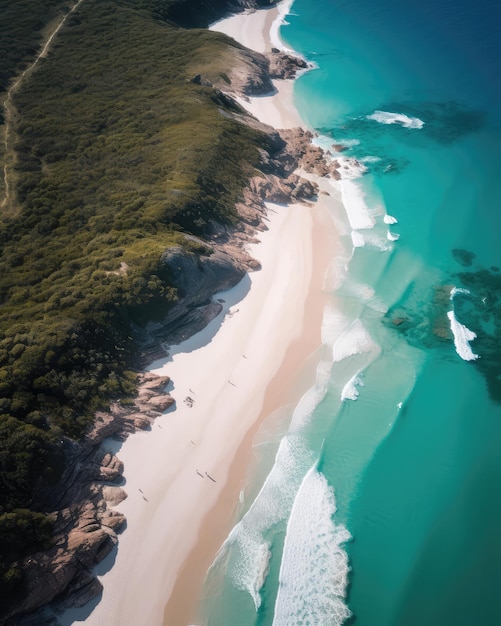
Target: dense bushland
x,y
21,26
117,153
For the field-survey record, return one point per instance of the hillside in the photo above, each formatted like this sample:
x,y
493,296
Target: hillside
x,y
113,154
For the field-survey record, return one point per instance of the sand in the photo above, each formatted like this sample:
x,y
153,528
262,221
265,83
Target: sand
x,y
183,477
259,31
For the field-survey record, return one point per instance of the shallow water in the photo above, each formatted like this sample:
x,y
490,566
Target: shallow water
x,y
401,435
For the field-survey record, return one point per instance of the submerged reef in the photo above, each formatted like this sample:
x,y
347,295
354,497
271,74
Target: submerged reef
x,y
475,298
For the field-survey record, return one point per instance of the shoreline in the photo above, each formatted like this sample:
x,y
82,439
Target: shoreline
x,y
277,110
183,482
281,391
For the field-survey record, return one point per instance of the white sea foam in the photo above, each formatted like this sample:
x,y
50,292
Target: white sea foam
x,y
250,551
309,401
378,239
283,8
462,337
250,555
358,212
456,290
355,340
357,239
379,210
333,324
350,168
371,240
350,391
327,144
336,273
314,568
385,117
349,143
367,295
363,291
392,236
389,219
377,304
370,159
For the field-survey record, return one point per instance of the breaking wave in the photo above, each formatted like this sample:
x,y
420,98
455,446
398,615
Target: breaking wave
x,y
359,214
248,565
350,391
250,550
314,569
355,340
284,8
462,338
385,117
462,334
389,219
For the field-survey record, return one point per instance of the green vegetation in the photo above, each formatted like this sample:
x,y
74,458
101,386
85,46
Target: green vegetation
x,y
117,153
21,26
187,13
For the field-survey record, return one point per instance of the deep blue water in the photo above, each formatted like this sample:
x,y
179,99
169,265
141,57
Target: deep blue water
x,y
406,425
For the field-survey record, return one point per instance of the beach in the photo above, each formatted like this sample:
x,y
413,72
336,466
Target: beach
x,y
184,477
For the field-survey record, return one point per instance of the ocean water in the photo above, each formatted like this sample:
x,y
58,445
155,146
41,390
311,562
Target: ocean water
x,y
380,502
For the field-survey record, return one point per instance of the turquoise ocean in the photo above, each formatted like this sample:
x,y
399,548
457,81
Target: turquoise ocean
x,y
377,500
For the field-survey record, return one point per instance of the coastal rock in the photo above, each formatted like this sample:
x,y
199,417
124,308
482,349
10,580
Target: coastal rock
x,y
111,468
83,588
283,190
85,526
153,382
285,66
113,495
310,157
161,403
113,519
67,565
249,75
197,278
141,422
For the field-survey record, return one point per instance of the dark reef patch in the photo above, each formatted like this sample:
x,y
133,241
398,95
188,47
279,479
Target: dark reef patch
x,y
463,257
444,122
421,315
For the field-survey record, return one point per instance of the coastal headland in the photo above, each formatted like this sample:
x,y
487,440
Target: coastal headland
x,y
242,272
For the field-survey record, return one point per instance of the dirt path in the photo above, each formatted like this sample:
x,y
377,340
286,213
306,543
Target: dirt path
x,y
8,105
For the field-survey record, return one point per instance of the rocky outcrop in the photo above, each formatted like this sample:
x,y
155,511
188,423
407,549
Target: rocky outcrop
x,y
85,525
197,277
310,157
283,190
285,66
250,75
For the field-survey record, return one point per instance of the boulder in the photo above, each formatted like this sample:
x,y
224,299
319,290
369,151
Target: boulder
x,y
285,66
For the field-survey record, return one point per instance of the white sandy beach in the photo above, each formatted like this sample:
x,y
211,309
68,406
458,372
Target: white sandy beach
x,y
259,31
237,371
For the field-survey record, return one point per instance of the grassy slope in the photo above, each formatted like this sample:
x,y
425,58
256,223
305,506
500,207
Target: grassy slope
x,y
117,152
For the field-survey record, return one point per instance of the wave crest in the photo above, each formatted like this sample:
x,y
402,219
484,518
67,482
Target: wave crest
x,y
462,338
314,569
385,117
355,340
